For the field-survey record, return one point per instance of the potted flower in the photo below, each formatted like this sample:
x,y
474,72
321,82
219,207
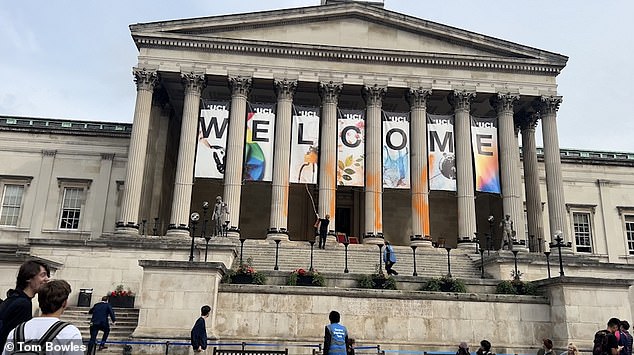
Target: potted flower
x,y
301,277
245,273
121,297
379,280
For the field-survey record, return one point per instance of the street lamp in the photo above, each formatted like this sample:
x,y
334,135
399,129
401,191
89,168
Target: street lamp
x,y
547,253
481,263
277,250
414,255
380,257
204,228
312,244
448,262
559,245
516,274
194,218
242,240
345,245
491,221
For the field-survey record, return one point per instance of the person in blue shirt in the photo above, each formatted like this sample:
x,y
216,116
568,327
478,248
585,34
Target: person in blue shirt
x,y
336,336
199,331
99,321
389,258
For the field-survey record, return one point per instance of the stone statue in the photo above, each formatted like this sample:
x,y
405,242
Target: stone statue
x,y
220,216
508,232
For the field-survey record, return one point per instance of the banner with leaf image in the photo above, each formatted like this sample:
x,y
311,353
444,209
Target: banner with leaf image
x,y
351,148
305,145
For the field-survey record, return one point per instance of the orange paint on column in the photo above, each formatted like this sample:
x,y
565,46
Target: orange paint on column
x,y
285,203
424,213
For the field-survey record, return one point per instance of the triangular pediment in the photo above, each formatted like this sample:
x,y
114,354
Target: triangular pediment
x,y
348,26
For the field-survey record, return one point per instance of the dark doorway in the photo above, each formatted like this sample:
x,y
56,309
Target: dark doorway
x,y
342,219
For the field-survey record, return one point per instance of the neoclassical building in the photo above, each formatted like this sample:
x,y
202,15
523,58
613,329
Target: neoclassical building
x,y
396,127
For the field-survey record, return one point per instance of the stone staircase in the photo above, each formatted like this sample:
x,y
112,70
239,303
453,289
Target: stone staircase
x,y
362,259
127,320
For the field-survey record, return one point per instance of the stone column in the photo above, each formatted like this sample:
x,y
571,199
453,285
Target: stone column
x,y
240,87
417,99
329,92
42,190
552,162
129,219
510,175
100,198
281,159
184,180
531,181
373,96
461,101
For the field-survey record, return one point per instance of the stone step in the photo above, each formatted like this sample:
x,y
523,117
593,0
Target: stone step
x,y
127,321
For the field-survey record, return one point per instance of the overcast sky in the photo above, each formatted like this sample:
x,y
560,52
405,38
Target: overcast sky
x,y
73,59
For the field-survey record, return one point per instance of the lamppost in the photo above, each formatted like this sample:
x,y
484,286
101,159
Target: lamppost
x,y
277,249
242,240
476,241
143,223
194,218
345,245
155,227
204,228
516,276
380,257
491,221
547,253
448,262
481,263
414,256
559,245
312,244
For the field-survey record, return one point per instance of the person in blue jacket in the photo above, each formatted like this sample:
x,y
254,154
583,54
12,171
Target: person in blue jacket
x,y
199,331
389,258
336,336
99,321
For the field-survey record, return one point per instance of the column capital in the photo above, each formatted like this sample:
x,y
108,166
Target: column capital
x,y
240,85
461,100
528,121
503,103
145,79
417,97
329,91
373,94
549,104
285,89
107,156
193,82
49,153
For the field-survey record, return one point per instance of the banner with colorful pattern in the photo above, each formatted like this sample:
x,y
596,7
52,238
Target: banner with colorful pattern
x,y
351,148
484,138
259,145
213,124
305,145
442,159
396,169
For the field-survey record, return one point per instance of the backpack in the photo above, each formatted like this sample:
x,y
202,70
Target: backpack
x,y
35,346
600,346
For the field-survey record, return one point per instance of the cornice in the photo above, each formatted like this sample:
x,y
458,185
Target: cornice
x,y
345,54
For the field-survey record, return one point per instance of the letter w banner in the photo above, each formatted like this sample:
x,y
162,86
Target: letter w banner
x,y
484,137
396,150
258,148
351,148
213,124
305,145
442,159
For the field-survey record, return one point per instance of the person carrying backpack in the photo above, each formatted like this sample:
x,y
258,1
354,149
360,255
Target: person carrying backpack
x,y
47,334
626,338
605,342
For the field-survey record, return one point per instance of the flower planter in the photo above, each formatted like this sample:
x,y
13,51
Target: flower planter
x,y
241,279
121,301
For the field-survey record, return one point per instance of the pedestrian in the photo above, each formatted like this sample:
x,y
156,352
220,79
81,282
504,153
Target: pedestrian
x,y
485,348
571,350
322,225
626,338
99,321
389,257
18,306
336,336
463,348
350,346
605,342
48,329
199,331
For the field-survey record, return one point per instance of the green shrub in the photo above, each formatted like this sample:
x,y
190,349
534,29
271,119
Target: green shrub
x,y
378,280
445,284
516,287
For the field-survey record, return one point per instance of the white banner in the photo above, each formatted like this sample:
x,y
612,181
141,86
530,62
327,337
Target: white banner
x,y
258,148
213,124
305,146
351,148
396,173
484,138
442,159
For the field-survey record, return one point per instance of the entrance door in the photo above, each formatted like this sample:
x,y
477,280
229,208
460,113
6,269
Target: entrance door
x,y
343,218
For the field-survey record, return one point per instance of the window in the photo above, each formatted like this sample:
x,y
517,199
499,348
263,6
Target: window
x,y
11,204
71,207
629,231
583,232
